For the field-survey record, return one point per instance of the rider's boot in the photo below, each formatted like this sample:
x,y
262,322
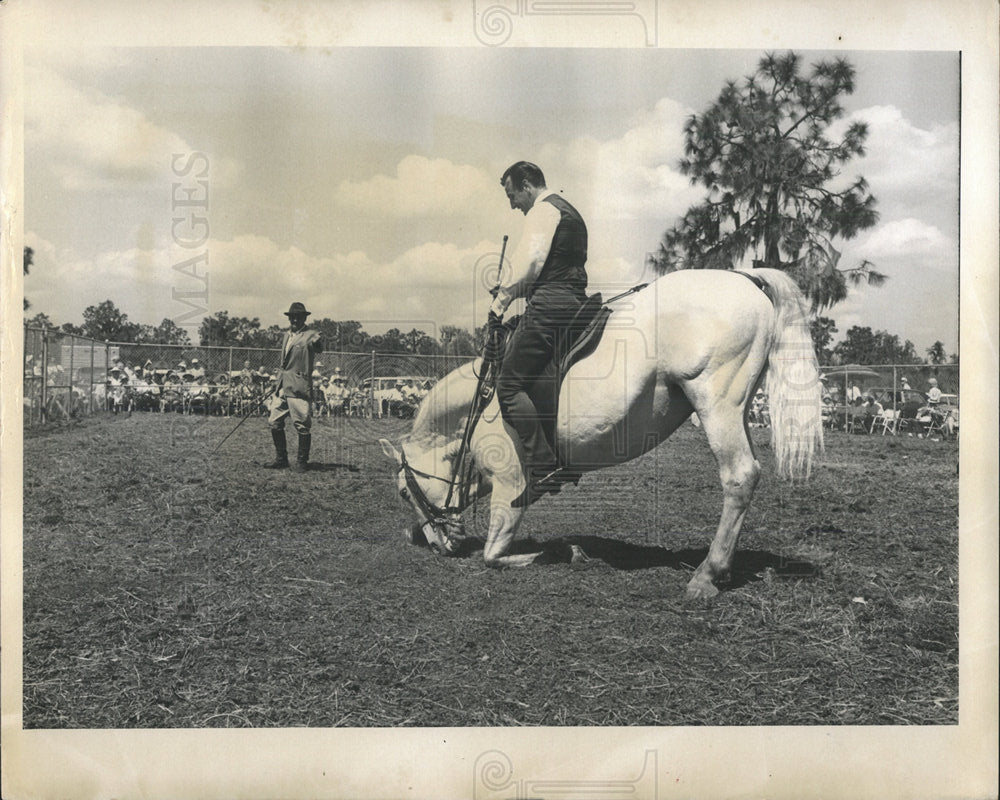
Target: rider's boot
x,y
280,448
302,460
544,475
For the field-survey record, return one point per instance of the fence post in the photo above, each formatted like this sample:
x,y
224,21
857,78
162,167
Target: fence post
x,y
107,364
894,390
371,386
43,414
230,372
72,353
90,389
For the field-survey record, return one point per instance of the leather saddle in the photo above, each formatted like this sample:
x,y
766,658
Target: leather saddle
x,y
580,339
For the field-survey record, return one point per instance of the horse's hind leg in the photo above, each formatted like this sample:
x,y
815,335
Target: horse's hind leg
x,y
739,471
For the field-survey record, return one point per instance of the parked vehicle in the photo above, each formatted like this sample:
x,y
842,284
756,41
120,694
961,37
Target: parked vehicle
x,y
906,401
395,395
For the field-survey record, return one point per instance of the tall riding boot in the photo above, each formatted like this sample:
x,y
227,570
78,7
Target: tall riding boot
x,y
302,461
280,448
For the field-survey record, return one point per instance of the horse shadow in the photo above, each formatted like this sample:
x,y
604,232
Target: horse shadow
x,y
749,566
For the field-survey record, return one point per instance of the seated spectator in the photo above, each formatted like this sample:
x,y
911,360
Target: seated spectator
x,y
336,394
871,410
934,393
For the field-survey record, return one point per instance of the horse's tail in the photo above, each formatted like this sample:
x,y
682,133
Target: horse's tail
x,y
793,386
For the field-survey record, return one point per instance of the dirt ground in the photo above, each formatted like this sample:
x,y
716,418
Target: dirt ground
x,y
166,586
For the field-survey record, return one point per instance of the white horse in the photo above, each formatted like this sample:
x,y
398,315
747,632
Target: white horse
x,y
694,341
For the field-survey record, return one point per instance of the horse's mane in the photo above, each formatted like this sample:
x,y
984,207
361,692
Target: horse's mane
x,y
441,415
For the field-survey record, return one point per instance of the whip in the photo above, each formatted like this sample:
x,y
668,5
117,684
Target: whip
x,y
246,416
479,400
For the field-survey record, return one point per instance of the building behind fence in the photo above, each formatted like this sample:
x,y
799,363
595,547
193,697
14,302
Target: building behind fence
x,y
66,376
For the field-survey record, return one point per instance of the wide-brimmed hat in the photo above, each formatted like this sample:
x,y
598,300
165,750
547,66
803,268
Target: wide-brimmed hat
x,y
297,308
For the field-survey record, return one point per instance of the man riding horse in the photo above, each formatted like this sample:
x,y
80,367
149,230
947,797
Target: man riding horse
x,y
547,268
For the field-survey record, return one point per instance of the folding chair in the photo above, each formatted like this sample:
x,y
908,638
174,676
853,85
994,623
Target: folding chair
x,y
878,423
890,421
939,424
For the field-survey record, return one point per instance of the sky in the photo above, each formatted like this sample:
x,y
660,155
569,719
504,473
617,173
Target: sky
x,y
364,181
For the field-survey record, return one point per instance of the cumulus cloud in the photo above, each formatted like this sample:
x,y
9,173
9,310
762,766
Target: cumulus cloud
x,y
912,237
421,187
911,171
628,187
92,141
423,287
633,176
432,283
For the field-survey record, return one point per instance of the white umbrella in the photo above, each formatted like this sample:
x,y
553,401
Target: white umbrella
x,y
848,371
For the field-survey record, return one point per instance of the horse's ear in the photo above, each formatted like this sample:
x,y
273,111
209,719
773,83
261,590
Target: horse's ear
x,y
390,450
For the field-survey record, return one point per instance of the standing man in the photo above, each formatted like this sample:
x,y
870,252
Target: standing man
x,y
547,268
293,388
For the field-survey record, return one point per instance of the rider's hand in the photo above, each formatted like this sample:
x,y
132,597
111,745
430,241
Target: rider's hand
x,y
494,339
491,349
494,323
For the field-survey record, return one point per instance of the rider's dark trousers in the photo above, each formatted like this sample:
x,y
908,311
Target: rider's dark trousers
x,y
535,340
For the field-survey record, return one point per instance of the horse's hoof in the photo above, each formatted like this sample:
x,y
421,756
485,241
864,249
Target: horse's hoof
x,y
700,589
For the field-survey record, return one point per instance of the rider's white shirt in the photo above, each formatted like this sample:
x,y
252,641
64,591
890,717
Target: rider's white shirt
x,y
540,225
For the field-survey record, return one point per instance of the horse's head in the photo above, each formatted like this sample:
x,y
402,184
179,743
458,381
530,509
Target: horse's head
x,y
423,480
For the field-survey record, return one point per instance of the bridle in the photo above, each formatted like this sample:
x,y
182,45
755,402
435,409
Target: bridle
x,y
464,474
448,516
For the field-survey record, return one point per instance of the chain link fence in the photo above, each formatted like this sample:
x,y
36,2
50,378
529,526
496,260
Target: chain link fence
x,y
892,377
890,397
65,376
68,376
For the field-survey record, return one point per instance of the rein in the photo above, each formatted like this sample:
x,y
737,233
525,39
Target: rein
x,y
449,513
461,482
435,514
485,389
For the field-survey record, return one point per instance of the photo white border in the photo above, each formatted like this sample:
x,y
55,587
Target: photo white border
x,y
877,762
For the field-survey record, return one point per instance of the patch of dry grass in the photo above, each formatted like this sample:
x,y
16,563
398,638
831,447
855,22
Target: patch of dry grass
x,y
166,587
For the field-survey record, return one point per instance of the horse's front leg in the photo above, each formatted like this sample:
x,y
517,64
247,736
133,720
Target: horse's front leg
x,y
504,522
